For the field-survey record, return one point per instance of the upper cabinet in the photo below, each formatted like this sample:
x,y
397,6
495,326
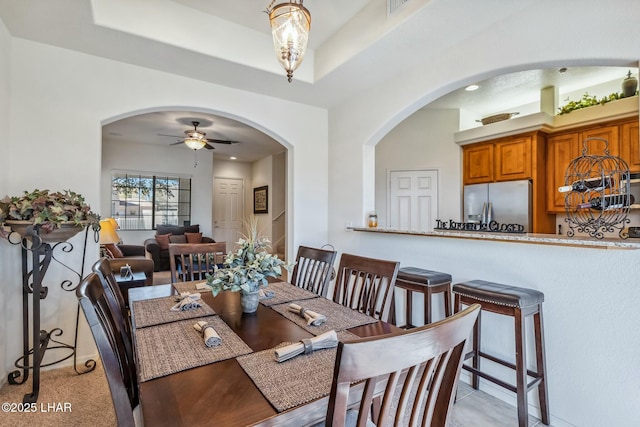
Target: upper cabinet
x,y
504,159
563,147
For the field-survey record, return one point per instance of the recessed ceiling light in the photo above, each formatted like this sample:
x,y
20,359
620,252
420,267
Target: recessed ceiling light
x,y
233,157
471,88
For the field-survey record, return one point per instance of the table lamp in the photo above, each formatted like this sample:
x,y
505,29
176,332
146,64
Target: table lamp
x,y
108,235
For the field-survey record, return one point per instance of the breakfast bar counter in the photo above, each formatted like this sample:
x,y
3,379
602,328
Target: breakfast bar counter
x,y
543,239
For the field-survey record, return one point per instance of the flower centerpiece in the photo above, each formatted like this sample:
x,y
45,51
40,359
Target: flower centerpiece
x,y
246,269
58,215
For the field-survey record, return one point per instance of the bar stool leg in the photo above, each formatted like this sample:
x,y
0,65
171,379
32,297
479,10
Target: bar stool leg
x,y
427,306
541,366
447,301
521,370
409,310
475,379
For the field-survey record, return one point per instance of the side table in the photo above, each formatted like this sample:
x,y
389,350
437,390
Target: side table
x,y
134,280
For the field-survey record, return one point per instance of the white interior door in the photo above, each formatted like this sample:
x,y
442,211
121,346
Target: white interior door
x,y
228,212
413,199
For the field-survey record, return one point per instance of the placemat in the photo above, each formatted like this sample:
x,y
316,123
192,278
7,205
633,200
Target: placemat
x,y
339,317
174,347
286,292
189,286
157,311
295,382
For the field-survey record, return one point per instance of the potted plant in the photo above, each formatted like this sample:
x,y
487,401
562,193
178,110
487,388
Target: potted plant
x,y
56,216
246,269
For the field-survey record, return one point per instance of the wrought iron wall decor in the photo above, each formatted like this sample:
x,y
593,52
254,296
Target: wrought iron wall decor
x,y
36,258
598,193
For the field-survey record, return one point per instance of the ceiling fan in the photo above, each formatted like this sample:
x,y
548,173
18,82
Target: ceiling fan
x,y
196,140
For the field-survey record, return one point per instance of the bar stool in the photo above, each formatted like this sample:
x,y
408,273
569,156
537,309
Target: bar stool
x,y
428,283
517,303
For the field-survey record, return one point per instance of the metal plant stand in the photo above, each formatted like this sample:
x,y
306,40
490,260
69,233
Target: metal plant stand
x,y
598,193
37,254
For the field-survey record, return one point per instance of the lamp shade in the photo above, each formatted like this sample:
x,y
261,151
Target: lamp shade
x,y
290,25
108,233
114,223
195,143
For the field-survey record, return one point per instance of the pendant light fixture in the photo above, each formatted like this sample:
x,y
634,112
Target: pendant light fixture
x,y
290,24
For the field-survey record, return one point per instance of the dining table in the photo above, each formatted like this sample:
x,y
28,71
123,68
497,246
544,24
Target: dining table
x,y
182,382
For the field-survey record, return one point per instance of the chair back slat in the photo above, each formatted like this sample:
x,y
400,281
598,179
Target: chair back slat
x,y
410,374
313,269
192,261
366,285
114,346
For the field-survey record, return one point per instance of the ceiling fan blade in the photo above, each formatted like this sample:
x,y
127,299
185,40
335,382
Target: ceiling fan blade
x,y
209,146
177,143
221,141
172,136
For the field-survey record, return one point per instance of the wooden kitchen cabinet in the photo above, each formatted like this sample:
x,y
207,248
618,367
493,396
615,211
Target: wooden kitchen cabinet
x,y
478,163
630,146
563,148
505,159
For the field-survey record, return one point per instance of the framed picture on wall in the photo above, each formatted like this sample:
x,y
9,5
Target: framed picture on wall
x,y
261,200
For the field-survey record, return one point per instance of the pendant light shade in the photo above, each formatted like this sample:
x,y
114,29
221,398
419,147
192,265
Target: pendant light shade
x,y
290,24
195,143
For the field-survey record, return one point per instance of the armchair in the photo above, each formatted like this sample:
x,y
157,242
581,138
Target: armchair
x,y
157,248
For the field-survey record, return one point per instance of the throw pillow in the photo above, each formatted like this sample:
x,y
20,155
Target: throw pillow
x,y
194,237
163,240
114,250
177,239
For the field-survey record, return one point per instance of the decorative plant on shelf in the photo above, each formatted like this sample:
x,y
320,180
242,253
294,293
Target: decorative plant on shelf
x,y
247,268
51,210
587,101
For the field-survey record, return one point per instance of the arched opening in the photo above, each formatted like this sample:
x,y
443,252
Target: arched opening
x,y
145,147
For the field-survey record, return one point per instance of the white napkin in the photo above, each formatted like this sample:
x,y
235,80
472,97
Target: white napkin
x,y
313,318
265,294
187,301
211,337
327,340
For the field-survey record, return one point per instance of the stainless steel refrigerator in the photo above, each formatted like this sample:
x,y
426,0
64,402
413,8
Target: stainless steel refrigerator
x,y
505,202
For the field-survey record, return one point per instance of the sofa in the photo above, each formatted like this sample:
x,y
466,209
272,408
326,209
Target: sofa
x,y
157,248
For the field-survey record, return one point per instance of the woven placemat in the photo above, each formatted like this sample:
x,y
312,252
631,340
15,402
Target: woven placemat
x,y
157,311
296,381
286,292
189,286
174,347
339,317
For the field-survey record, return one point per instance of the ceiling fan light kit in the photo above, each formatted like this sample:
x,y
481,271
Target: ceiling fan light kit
x,y
290,25
195,143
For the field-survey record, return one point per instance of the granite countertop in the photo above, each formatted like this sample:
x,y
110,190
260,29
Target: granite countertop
x,y
545,239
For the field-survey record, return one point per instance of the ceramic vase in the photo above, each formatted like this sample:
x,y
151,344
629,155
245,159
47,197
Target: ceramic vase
x,y
629,85
249,301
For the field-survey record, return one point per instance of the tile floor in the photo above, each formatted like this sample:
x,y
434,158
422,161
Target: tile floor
x,y
475,408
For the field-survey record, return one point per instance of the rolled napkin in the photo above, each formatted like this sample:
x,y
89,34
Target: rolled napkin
x,y
211,337
187,301
265,294
313,318
327,340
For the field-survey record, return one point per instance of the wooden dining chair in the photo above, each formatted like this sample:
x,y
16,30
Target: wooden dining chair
x,y
103,269
366,285
415,371
101,311
313,269
191,261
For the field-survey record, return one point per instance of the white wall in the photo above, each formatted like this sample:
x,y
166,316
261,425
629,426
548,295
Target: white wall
x,y
591,325
422,141
73,94
170,160
7,253
261,175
